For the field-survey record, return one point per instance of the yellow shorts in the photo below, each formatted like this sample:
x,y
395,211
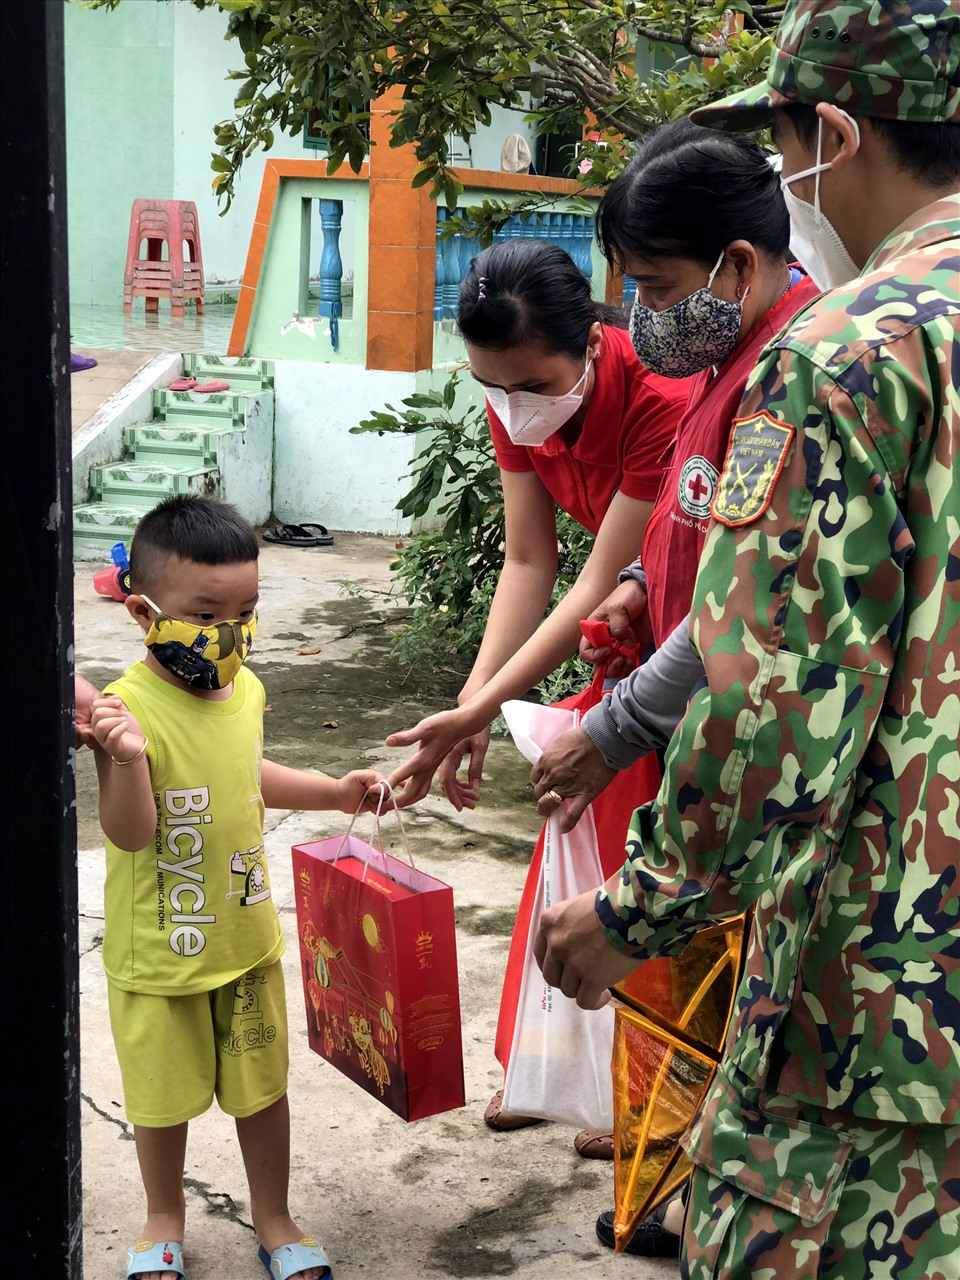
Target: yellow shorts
x,y
179,1052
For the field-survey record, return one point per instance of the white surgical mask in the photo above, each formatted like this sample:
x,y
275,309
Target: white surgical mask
x,y
813,238
530,418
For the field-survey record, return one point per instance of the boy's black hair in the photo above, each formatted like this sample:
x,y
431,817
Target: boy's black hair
x,y
533,291
689,192
928,152
190,528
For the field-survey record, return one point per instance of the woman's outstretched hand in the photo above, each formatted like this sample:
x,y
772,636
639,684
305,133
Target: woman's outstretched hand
x,y
442,741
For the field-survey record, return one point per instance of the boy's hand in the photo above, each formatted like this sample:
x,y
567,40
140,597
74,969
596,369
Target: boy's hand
x,y
116,729
359,790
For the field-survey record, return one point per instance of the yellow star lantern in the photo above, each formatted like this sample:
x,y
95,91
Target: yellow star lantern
x,y
670,1027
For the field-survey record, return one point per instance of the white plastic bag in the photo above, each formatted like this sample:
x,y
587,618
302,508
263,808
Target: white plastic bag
x,y
559,1063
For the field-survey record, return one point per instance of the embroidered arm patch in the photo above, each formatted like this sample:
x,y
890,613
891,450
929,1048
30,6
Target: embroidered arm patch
x,y
755,457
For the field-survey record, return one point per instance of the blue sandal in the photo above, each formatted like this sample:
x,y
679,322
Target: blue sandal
x,y
146,1256
290,1259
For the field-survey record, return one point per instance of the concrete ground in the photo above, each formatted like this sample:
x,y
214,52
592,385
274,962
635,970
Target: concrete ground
x,y
445,1196
90,388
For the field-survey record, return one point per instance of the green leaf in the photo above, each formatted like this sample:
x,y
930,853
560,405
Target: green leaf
x,y
423,174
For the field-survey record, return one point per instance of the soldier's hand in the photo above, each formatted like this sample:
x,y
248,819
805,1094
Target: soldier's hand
x,y
573,769
574,955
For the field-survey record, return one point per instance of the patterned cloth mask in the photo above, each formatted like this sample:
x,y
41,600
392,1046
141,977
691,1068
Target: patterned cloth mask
x,y
203,657
692,335
530,418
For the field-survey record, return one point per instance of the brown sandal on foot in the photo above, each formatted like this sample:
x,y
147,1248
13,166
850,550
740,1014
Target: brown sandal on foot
x,y
594,1144
498,1119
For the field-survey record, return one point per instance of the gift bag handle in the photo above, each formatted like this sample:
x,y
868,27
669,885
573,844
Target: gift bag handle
x,y
386,793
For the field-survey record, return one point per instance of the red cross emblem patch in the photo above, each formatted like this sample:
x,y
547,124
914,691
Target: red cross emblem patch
x,y
696,485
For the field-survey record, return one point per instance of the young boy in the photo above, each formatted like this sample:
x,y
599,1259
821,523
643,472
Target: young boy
x,y
192,941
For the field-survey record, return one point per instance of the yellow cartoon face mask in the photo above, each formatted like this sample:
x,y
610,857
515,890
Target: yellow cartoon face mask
x,y
203,657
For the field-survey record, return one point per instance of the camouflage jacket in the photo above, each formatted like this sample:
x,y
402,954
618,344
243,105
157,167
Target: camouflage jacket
x,y
816,773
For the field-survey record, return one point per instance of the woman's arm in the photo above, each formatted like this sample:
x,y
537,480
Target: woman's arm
x,y
620,535
523,592
526,580
558,635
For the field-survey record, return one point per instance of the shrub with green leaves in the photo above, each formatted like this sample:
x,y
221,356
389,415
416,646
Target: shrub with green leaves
x,y
447,572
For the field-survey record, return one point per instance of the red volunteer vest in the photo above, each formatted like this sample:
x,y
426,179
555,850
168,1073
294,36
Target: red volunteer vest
x,y
680,522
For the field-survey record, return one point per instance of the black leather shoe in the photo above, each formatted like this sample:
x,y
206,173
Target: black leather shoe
x,y
650,1240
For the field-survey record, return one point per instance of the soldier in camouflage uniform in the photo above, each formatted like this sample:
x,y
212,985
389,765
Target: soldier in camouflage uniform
x,y
816,774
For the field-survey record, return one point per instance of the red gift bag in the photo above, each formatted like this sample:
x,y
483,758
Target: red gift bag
x,y
378,956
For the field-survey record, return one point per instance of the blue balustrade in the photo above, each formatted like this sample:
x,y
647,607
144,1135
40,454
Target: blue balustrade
x,y
468,249
331,267
629,291
565,239
513,229
573,232
583,239
450,289
533,228
440,276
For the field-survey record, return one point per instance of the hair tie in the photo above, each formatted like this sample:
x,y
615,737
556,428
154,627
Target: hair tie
x,y
481,291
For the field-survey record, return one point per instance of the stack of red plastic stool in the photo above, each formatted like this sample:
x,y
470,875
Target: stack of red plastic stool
x,y
174,223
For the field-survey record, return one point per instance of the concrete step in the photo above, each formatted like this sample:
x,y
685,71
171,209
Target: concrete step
x,y
214,407
244,373
130,482
96,527
219,444
173,444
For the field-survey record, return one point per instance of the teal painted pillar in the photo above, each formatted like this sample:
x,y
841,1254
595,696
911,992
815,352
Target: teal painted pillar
x,y
467,253
584,228
440,268
450,253
331,267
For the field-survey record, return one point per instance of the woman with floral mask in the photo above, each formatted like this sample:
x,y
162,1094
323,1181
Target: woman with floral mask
x,y
577,423
699,220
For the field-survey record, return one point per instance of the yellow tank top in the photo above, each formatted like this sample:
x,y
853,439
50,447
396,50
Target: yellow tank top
x,y
192,911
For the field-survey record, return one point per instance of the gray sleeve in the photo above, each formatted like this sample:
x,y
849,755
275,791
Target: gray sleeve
x,y
635,571
643,710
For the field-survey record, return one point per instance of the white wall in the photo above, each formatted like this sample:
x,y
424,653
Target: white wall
x,y
321,472
202,97
487,143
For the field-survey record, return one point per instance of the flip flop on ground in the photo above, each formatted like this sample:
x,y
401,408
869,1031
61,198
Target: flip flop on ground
x,y
291,1259
145,1256
299,535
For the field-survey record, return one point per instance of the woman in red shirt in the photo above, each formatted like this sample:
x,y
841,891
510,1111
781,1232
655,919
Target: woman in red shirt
x,y
577,423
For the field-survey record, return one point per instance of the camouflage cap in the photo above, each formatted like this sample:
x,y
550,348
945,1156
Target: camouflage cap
x,y
888,59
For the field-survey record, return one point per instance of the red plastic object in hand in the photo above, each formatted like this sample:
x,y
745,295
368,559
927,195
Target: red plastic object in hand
x,y
597,634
